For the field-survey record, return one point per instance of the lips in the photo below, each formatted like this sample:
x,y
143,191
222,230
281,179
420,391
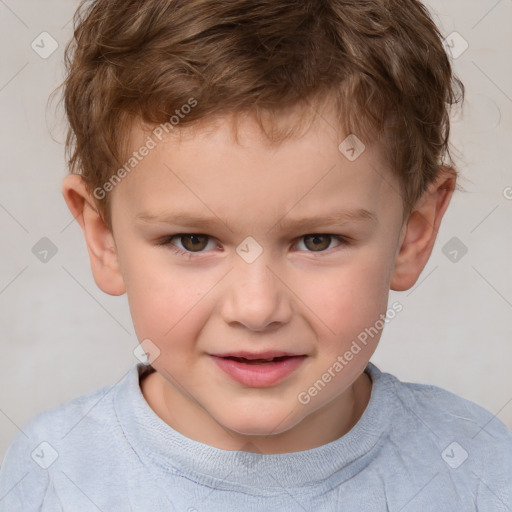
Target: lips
x,y
254,370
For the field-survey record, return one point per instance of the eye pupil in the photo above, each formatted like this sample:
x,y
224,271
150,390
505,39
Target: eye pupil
x,y
316,239
194,238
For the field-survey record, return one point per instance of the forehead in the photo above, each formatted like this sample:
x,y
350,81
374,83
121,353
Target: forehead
x,y
204,169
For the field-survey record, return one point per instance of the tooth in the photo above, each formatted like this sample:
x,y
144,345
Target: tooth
x,y
257,360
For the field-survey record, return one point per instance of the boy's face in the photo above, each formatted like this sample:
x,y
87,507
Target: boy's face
x,y
303,295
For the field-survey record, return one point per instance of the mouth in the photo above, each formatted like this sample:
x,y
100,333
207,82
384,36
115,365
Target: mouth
x,y
258,357
259,361
259,370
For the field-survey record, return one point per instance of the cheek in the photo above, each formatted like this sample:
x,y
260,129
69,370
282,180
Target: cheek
x,y
347,300
170,304
162,298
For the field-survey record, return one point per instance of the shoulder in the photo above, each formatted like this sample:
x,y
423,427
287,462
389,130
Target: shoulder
x,y
447,412
467,444
52,436
57,423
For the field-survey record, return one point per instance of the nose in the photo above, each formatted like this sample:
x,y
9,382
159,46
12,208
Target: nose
x,y
256,297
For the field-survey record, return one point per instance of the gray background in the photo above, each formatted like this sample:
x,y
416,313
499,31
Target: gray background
x,y
62,337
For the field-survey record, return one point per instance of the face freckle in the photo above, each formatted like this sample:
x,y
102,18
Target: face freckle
x,y
256,284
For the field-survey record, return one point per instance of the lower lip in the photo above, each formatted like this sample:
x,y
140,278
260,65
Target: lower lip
x,y
259,375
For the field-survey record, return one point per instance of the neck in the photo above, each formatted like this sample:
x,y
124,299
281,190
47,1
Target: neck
x,y
323,426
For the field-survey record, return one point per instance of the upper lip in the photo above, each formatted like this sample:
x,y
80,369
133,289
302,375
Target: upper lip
x,y
269,354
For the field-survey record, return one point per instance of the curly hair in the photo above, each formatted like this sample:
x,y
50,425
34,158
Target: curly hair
x,y
381,63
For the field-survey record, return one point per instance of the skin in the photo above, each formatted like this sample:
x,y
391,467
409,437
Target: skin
x,y
298,296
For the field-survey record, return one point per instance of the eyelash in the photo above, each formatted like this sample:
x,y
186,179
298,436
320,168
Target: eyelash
x,y
166,242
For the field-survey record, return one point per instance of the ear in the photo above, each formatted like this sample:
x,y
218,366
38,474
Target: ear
x,y
98,237
420,230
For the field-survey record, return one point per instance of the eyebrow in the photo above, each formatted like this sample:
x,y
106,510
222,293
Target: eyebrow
x,y
186,219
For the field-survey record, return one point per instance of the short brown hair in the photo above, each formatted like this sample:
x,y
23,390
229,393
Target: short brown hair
x,y
382,62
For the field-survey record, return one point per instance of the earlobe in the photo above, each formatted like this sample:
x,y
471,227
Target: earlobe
x,y
420,231
98,237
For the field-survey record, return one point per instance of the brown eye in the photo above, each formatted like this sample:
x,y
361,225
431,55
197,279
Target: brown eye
x,y
188,245
317,242
194,242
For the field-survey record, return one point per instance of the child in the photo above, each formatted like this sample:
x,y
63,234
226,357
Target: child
x,y
213,144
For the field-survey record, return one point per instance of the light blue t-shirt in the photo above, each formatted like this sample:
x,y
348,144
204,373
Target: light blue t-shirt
x,y
416,448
